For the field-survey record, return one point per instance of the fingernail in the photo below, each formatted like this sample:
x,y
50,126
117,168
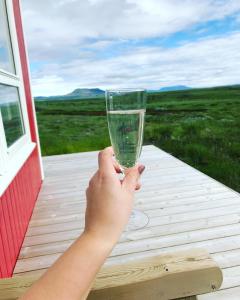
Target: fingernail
x,y
141,169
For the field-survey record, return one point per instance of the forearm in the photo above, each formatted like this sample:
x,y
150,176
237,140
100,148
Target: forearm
x,y
72,275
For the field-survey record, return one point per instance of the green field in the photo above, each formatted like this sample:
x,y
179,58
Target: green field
x,y
199,126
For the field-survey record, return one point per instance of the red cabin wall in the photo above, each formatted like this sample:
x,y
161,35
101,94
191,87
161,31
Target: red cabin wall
x,y
17,202
16,206
24,64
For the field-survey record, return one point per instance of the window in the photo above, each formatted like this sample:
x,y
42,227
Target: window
x,y
14,124
11,114
6,55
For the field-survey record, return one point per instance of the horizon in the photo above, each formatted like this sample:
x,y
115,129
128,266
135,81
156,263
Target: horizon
x,y
186,88
150,43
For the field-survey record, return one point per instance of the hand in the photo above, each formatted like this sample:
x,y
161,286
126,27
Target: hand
x,y
109,199
109,204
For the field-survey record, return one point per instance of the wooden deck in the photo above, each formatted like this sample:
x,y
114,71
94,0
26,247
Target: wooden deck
x,y
187,209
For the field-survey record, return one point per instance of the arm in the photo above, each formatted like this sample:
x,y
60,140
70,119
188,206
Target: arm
x,y
109,205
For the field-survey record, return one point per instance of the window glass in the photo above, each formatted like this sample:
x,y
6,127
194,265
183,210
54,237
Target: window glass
x,y
6,55
11,113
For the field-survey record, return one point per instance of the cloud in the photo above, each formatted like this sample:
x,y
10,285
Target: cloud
x,y
208,62
49,85
57,26
95,43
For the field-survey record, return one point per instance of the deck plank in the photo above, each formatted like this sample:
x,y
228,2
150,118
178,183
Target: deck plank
x,y
227,294
186,209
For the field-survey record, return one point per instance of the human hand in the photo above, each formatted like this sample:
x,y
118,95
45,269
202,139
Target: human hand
x,y
109,199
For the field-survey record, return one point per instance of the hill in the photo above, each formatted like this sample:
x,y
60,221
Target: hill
x,y
86,93
174,88
82,93
77,94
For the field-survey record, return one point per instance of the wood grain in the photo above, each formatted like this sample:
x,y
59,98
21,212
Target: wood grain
x,y
163,277
186,209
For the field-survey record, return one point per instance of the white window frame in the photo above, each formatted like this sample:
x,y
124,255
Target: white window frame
x,y
12,158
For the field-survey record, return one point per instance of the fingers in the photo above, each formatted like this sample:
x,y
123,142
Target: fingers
x,y
132,177
117,166
108,165
105,161
138,186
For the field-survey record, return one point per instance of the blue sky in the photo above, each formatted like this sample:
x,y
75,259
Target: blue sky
x,y
131,43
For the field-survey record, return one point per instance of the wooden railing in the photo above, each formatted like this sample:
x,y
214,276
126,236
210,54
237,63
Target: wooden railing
x,y
169,276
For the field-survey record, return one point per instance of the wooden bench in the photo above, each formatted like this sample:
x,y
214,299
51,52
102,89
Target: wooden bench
x,y
168,276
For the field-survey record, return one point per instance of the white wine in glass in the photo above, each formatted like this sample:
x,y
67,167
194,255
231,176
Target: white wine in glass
x,y
126,133
125,113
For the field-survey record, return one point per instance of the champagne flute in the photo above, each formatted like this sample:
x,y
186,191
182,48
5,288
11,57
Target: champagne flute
x,y
125,114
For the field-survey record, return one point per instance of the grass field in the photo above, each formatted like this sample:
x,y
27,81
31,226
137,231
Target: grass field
x,y
199,126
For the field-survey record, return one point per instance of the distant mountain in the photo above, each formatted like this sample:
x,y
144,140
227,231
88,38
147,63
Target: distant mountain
x,y
86,93
75,95
174,88
79,94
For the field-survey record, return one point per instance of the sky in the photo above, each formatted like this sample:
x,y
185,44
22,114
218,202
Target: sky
x,y
131,43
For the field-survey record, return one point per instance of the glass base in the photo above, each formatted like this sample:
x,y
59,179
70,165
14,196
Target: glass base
x,y
138,220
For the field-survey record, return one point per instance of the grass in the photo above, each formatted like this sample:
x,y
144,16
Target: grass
x,y
200,126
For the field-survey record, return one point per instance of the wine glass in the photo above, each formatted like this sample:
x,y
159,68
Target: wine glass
x,y
125,114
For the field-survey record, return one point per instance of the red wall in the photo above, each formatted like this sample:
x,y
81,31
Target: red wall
x,y
17,203
16,207
24,64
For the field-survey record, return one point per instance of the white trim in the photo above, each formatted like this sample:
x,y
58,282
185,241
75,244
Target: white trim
x,y
3,147
9,80
33,103
15,165
13,36
5,73
13,157
13,149
12,69
17,61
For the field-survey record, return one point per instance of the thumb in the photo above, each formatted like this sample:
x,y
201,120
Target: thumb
x,y
131,178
